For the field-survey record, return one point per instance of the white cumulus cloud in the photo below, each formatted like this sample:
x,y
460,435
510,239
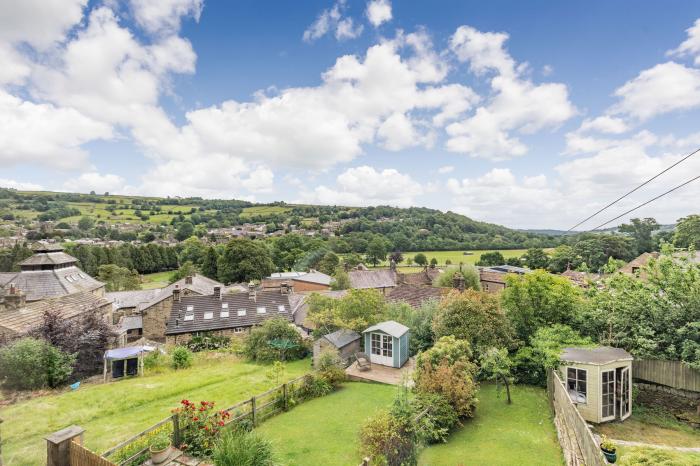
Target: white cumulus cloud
x,y
378,12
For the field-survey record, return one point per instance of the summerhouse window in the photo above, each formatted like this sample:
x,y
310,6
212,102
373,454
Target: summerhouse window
x,y
608,394
576,380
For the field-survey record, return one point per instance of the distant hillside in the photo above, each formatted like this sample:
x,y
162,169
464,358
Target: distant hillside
x,y
411,229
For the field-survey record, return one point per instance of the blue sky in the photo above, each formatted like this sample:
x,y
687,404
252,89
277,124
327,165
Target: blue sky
x,y
528,114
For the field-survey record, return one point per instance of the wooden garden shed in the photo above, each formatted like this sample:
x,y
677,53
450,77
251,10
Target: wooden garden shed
x,y
387,343
599,382
345,343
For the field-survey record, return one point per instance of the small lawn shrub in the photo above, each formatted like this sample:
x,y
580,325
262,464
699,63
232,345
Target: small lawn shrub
x,y
30,364
313,386
438,417
455,382
208,342
274,340
154,362
199,425
181,358
330,369
241,448
389,440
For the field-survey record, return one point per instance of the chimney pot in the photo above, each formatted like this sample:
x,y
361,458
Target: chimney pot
x,y
176,293
188,280
217,292
252,293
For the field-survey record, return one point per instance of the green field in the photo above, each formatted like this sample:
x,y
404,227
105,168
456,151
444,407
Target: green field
x,y
455,257
155,280
115,411
324,431
520,434
249,212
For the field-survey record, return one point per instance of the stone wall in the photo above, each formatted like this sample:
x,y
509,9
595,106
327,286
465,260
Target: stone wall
x,y
683,404
182,338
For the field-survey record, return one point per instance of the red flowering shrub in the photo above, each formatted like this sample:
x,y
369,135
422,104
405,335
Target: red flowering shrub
x,y
199,426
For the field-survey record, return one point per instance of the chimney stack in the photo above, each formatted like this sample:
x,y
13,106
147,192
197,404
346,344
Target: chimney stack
x,y
217,292
252,293
15,299
285,288
176,294
188,280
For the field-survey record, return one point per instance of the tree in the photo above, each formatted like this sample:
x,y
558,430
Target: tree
x,y
376,251
564,257
419,321
468,272
420,259
86,223
329,263
396,256
641,230
341,279
433,263
193,250
687,233
538,299
489,259
536,258
244,260
184,231
473,316
30,364
357,310
274,340
209,264
118,278
496,365
187,269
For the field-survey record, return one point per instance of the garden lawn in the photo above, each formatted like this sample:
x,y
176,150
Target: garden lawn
x,y
150,281
113,412
324,431
500,434
635,456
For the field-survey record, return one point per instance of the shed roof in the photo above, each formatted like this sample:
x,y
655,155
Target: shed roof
x,y
597,356
342,337
389,327
131,323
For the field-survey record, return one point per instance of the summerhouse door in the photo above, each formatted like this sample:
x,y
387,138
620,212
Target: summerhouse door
x,y
382,349
625,394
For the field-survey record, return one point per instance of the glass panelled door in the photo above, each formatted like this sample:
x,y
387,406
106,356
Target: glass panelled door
x,y
625,393
607,391
382,349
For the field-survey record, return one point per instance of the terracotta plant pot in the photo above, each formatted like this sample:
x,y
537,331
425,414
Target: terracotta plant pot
x,y
160,456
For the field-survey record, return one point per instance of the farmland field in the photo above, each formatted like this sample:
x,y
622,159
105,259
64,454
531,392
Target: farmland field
x,y
455,257
112,412
249,212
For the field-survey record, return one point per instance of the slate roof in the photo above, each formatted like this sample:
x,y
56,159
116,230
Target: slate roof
x,y
415,295
309,277
342,337
130,323
200,285
31,315
5,277
383,278
42,284
49,258
127,299
598,356
390,327
424,277
199,305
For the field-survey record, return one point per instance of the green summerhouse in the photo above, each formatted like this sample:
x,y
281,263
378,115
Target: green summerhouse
x,y
387,343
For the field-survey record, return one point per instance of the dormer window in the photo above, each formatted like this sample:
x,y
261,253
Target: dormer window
x,y
241,312
208,315
262,310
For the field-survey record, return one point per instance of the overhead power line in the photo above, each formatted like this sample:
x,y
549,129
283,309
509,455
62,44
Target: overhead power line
x,y
635,189
647,202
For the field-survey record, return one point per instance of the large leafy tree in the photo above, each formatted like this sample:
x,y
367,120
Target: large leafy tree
x,y
536,258
184,231
491,258
356,311
244,260
118,278
210,267
475,317
376,250
538,299
564,257
641,230
687,233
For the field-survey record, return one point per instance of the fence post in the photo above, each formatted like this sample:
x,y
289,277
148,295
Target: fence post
x,y
176,430
284,393
58,445
252,407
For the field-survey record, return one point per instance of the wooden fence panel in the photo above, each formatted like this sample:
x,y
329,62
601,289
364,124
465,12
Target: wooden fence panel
x,y
574,424
670,373
81,456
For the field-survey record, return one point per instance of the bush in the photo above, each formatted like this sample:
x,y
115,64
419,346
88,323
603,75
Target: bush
x,y
240,448
389,439
208,342
313,386
468,272
454,381
181,358
274,340
154,361
329,368
200,425
30,364
439,418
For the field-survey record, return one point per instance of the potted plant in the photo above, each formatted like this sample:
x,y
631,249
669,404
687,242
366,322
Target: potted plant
x,y
160,448
609,449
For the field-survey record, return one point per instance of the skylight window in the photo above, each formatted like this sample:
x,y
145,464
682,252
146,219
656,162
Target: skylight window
x,y
224,313
224,305
241,312
188,317
190,308
281,308
208,315
262,310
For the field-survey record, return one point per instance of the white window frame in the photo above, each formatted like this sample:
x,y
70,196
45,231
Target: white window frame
x,y
281,308
208,315
577,381
242,312
614,394
188,317
261,310
224,313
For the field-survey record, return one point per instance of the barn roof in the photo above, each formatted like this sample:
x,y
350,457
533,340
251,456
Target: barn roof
x,y
384,278
414,295
598,356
